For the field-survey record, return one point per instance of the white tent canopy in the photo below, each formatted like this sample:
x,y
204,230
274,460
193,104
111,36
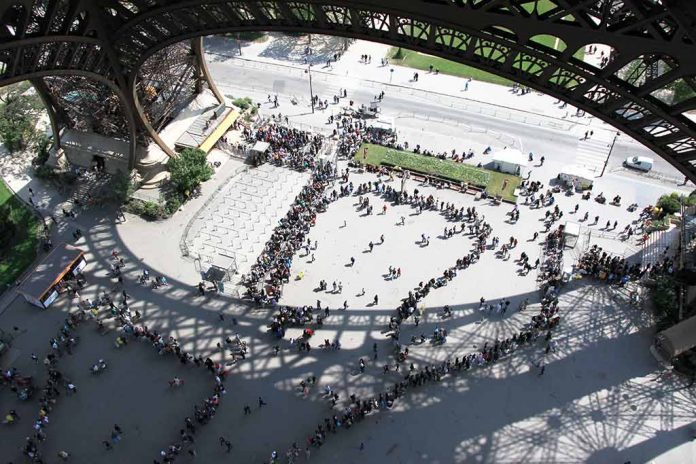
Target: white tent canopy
x,y
260,147
579,172
510,160
383,124
577,176
511,156
572,229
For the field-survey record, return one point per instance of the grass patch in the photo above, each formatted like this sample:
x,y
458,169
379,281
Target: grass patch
x,y
251,36
491,181
496,182
20,237
416,60
422,61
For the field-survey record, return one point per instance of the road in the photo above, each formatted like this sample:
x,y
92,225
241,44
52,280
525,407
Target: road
x,y
442,123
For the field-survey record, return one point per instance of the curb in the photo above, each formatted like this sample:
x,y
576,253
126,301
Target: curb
x,y
441,94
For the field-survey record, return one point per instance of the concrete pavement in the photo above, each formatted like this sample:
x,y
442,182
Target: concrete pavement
x,y
598,401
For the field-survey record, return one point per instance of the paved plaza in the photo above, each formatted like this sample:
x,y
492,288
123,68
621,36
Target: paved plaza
x,y
601,397
232,228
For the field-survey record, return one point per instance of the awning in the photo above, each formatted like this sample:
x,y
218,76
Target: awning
x,y
220,130
50,271
678,338
382,124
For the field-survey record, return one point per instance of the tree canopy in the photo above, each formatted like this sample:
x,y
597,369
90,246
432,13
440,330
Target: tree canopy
x,y
188,170
20,108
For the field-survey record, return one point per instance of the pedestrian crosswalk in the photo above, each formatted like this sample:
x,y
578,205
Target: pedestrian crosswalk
x,y
592,153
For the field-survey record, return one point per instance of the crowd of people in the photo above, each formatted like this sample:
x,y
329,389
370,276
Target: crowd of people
x,y
297,150
357,409
616,270
539,326
56,382
470,219
289,147
272,268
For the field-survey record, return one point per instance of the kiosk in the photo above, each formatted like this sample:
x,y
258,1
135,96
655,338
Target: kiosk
x,y
258,153
578,177
571,234
674,341
42,286
511,161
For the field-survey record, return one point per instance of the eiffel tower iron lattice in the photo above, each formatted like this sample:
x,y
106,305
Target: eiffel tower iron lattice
x,y
646,88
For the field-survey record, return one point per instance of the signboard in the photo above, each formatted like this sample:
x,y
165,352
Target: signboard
x,y
80,266
51,298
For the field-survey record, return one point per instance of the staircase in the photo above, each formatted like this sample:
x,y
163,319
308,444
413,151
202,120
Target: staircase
x,y
91,187
236,222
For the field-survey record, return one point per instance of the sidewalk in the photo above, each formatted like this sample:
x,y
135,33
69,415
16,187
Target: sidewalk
x,y
349,65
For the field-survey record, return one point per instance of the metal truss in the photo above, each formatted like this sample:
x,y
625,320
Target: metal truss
x,y
646,89
165,83
86,105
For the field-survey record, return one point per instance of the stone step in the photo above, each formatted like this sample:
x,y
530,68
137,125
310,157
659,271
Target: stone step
x,y
155,181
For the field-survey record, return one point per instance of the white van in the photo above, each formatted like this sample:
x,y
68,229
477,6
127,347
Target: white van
x,y
642,163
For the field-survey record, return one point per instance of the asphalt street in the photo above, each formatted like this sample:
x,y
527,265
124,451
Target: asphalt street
x,y
447,123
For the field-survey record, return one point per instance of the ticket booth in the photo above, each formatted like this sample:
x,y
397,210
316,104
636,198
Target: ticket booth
x,y
48,280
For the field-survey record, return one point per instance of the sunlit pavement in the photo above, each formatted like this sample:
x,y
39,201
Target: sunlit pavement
x,y
597,402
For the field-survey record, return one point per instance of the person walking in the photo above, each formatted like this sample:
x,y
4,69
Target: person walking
x,y
225,443
262,403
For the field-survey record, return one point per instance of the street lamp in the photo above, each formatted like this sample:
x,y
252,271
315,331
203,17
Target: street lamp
x,y
311,92
609,154
391,74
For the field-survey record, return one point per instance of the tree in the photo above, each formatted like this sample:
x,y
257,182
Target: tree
x,y
20,108
188,170
670,204
122,187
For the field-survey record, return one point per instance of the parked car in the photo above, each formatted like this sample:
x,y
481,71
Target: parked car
x,y
642,163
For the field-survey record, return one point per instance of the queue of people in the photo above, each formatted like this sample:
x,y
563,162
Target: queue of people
x,y
357,409
56,382
616,270
266,277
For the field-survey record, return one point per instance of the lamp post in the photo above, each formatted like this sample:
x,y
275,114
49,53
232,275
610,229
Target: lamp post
x,y
616,136
311,92
391,74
